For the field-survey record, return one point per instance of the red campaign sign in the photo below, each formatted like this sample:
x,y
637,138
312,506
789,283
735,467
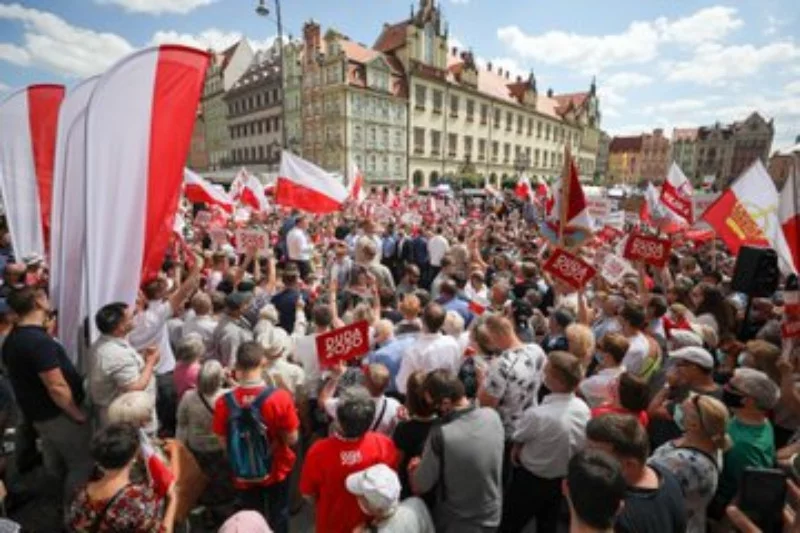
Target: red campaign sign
x,y
570,269
650,250
790,329
343,344
679,205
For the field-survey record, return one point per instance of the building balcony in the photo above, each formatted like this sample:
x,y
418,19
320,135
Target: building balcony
x,y
437,110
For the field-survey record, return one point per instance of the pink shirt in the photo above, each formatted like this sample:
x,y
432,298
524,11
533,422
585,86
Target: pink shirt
x,y
185,376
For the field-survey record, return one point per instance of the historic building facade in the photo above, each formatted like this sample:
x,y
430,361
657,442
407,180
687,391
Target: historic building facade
x,y
293,94
601,166
468,120
655,156
354,105
254,105
223,71
684,151
624,160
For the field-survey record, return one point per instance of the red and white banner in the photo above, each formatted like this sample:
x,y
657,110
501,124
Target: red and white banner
x,y
197,190
789,214
357,192
343,344
68,217
250,192
251,239
303,185
29,119
649,250
570,269
138,127
159,473
676,194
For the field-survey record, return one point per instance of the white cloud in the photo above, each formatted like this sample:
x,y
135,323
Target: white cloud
x,y
51,43
626,80
792,88
774,25
3,87
638,43
157,7
608,95
713,63
211,38
462,2
454,41
676,106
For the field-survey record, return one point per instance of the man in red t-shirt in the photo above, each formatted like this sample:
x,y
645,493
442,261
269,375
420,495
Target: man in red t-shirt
x,y
351,449
280,416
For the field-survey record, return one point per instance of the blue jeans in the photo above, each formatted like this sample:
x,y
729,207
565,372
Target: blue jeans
x,y
271,501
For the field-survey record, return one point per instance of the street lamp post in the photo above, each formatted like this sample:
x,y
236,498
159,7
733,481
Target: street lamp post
x,y
263,11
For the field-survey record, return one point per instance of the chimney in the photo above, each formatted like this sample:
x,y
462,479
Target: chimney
x,y
454,51
507,75
312,35
489,66
500,71
549,93
519,79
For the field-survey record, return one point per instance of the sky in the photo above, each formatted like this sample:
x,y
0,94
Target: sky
x,y
658,63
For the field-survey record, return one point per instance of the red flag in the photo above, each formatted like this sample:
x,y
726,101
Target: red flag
x,y
789,214
158,471
523,189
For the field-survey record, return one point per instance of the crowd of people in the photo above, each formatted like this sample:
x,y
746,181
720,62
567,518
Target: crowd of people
x,y
491,396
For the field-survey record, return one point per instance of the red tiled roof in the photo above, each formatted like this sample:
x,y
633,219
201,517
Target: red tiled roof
x,y
392,37
357,53
564,101
626,144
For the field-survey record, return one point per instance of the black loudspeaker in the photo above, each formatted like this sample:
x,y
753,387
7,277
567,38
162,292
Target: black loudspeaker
x,y
756,272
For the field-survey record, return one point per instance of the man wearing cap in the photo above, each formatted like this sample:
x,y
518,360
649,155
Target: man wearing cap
x,y
691,371
545,439
233,330
378,492
750,395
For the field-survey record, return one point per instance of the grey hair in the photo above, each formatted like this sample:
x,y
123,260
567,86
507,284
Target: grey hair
x,y
210,378
135,408
355,412
190,348
453,324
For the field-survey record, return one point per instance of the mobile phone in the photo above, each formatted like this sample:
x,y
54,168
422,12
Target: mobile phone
x,y
762,495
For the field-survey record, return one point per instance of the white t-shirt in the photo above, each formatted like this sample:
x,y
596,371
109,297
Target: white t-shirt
x,y
636,355
411,516
599,388
150,329
437,248
298,245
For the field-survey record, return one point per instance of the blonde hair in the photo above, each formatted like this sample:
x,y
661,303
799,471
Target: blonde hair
x,y
714,420
364,312
764,356
581,341
377,378
410,307
453,324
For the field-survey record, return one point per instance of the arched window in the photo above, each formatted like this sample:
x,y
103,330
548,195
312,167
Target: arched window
x,y
434,178
419,178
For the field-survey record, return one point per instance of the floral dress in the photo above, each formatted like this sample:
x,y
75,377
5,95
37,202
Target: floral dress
x,y
136,509
697,472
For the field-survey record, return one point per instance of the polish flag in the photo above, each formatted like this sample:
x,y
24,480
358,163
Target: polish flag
x,y
357,193
523,189
159,473
789,213
676,194
138,128
252,194
197,190
29,119
68,217
747,214
303,185
569,201
238,184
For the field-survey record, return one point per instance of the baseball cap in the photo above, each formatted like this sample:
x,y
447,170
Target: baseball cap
x,y
694,354
757,385
245,522
236,299
377,484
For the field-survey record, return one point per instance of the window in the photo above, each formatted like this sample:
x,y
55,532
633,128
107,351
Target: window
x,y
528,154
258,100
251,103
398,164
260,127
266,98
484,114
467,147
452,144
520,122
530,127
453,106
495,150
544,158
385,138
260,152
497,118
517,152
230,109
547,133
506,152
269,125
370,136
371,163
538,130
385,163
509,120
419,140
436,142
470,110
437,102
277,123
276,95
481,149
398,140
536,158
419,97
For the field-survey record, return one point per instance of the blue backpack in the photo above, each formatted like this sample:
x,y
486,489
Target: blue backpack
x,y
249,452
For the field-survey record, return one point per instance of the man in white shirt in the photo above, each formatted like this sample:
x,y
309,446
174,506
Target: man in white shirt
x,y
202,322
150,330
431,350
117,368
633,321
299,246
601,387
437,248
547,437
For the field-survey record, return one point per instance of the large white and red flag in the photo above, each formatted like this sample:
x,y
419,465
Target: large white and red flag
x,y
250,192
357,192
138,127
676,194
789,213
303,185
569,206
523,189
28,122
197,190
747,214
68,217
